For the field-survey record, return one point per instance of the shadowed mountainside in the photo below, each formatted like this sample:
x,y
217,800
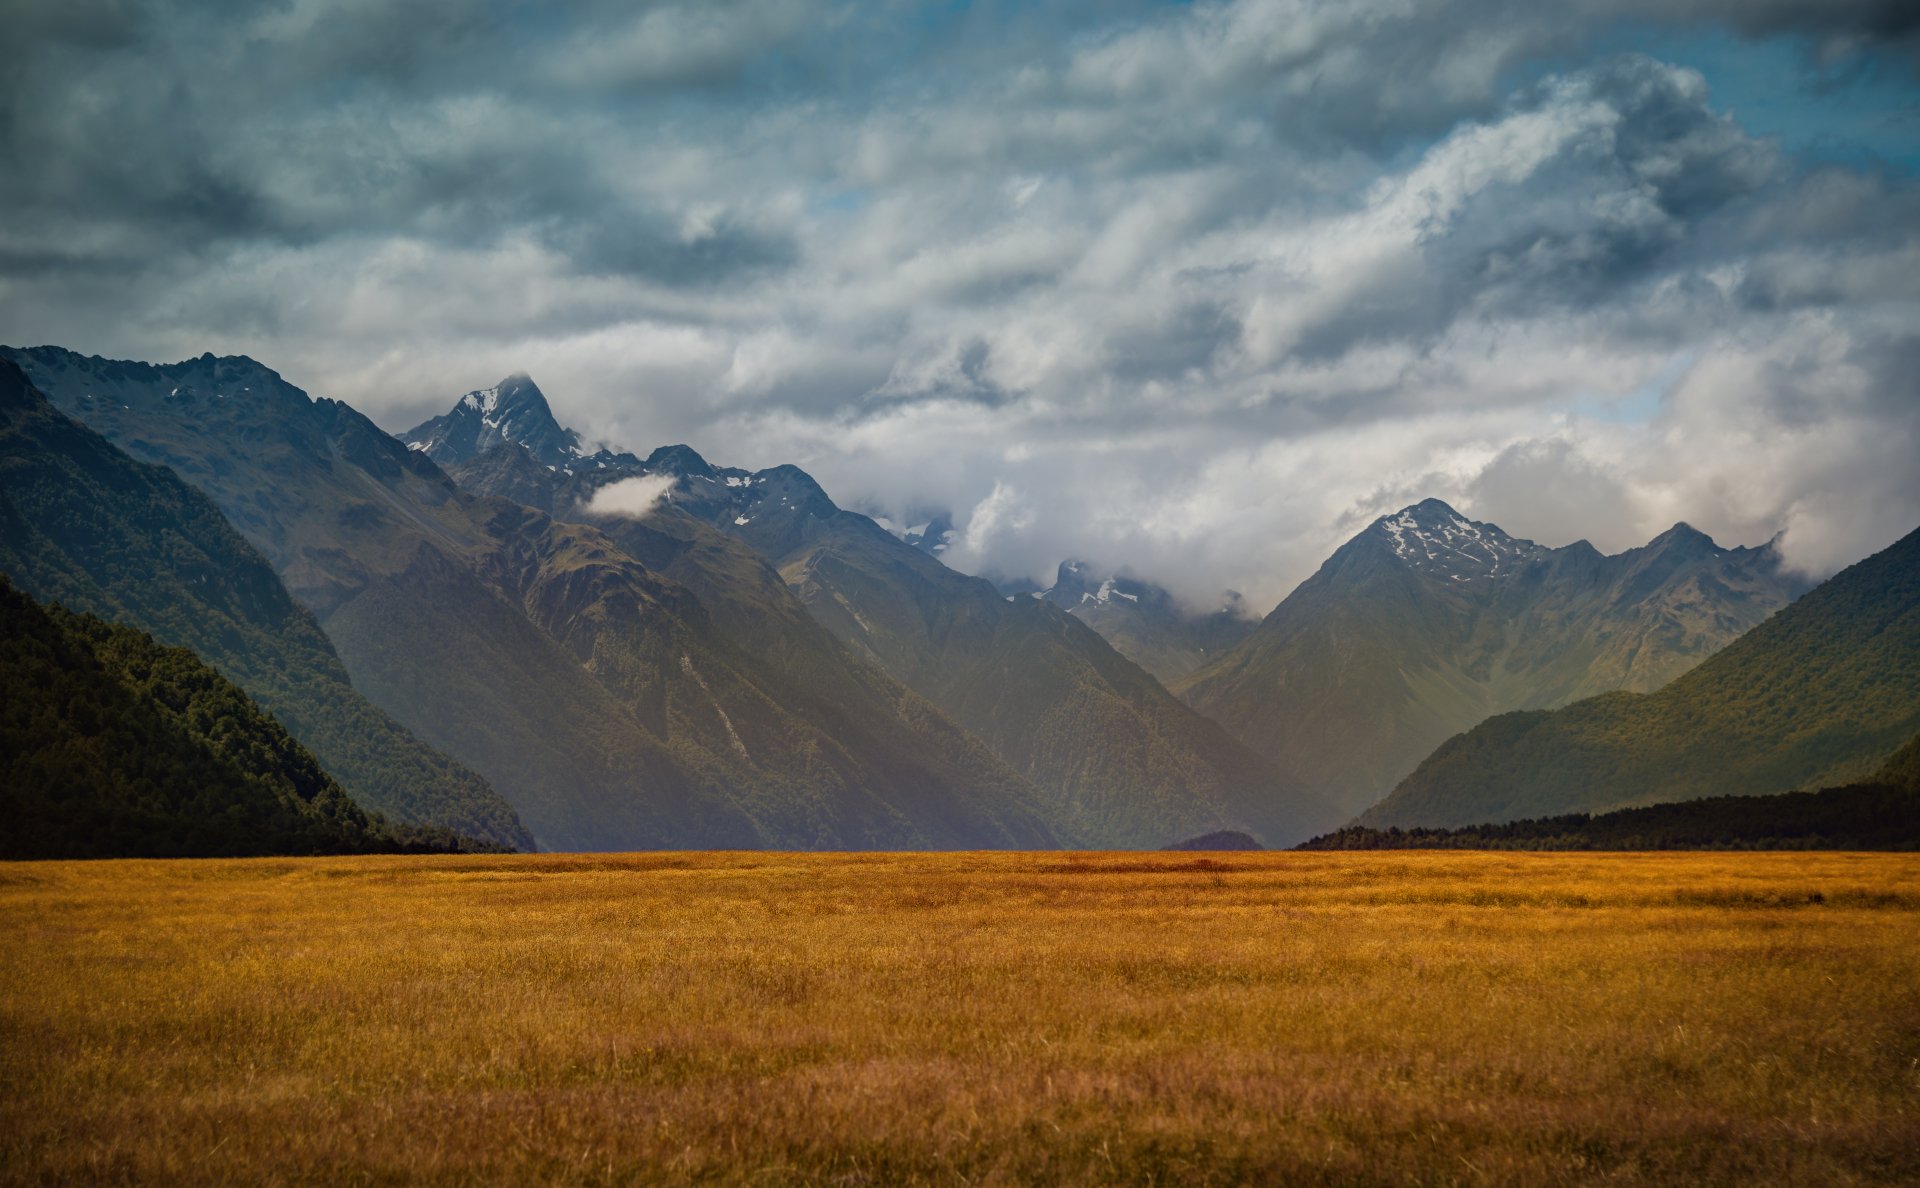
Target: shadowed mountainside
x,y
85,525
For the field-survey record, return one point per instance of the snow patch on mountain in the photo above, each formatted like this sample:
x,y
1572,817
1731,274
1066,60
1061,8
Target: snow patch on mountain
x,y
1433,538
1107,592
513,410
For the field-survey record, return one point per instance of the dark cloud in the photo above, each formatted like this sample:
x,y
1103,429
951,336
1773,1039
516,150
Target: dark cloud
x,y
626,243
1185,289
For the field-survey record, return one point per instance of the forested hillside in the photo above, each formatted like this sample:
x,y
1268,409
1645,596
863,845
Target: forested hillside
x,y
1882,813
83,524
112,745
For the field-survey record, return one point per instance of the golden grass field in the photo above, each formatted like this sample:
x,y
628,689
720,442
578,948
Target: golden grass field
x,y
1431,1018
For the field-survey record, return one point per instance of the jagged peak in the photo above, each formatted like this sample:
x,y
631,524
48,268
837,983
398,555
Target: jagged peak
x,y
1430,511
682,460
1072,571
515,409
1073,581
931,535
512,394
208,376
1684,536
1078,583
95,364
790,475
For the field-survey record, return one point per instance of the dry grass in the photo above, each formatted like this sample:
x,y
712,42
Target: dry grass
x,y
1339,1018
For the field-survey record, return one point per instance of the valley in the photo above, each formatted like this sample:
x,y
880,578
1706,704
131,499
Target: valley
x,y
960,595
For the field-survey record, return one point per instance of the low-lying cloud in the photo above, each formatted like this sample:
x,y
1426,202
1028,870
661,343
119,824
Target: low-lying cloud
x,y
631,499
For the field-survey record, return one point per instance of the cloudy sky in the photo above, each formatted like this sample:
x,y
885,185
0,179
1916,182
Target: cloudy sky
x,y
1192,289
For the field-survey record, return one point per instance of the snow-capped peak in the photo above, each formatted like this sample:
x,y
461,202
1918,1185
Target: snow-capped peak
x,y
513,410
1434,538
515,393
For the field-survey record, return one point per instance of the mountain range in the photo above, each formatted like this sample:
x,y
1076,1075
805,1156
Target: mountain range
x,y
596,695
1116,760
1821,694
1427,623
481,629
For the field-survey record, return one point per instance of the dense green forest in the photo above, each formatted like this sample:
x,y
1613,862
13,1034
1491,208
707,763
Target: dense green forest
x,y
84,525
112,745
1882,814
1817,696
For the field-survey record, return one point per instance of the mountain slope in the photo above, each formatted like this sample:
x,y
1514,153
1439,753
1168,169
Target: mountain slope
x,y
114,746
1118,761
1144,624
1121,760
83,524
594,693
1902,769
1818,695
806,766
899,735
1427,623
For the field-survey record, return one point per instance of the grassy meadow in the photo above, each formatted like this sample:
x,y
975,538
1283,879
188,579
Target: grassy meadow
x,y
1430,1018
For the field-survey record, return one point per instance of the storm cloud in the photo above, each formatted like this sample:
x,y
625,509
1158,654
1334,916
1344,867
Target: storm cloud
x,y
1195,290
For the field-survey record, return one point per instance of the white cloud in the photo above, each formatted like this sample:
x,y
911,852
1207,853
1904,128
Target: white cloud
x,y
633,498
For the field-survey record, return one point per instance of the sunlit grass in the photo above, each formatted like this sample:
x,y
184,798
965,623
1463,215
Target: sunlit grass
x,y
1344,1018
